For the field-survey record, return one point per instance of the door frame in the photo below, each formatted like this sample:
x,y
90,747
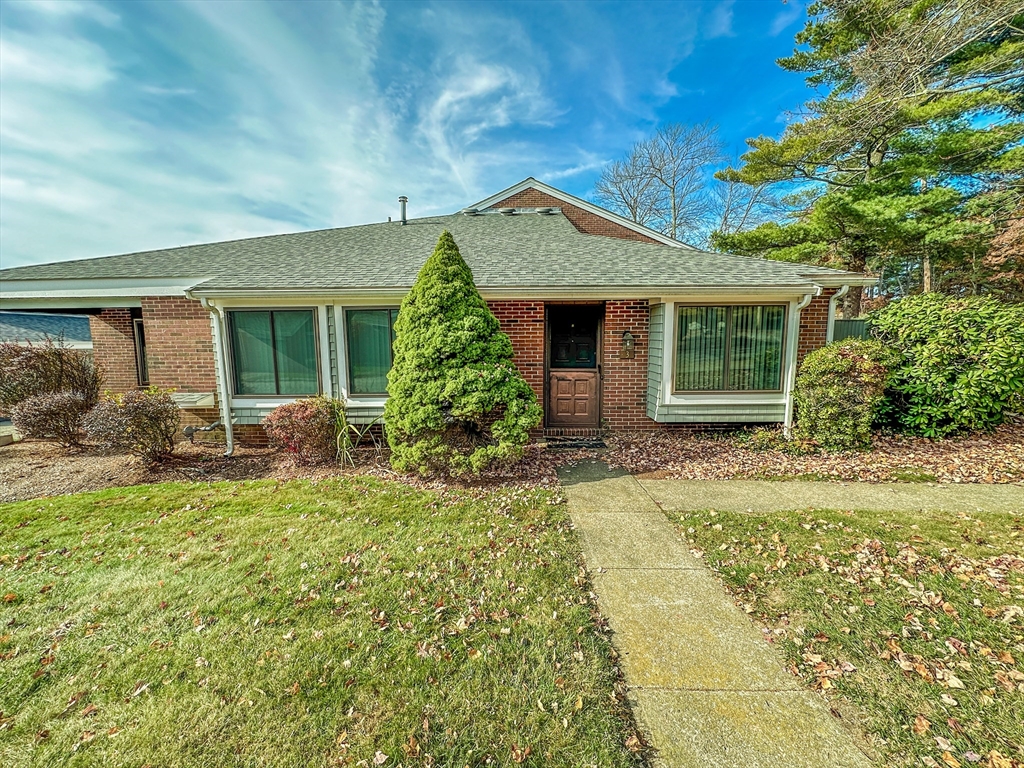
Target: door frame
x,y
548,305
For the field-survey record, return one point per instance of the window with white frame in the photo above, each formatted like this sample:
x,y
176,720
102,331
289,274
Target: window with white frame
x,y
273,352
729,348
369,336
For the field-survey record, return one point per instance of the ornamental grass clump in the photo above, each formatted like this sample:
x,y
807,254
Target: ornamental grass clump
x,y
142,421
307,429
839,393
456,402
959,362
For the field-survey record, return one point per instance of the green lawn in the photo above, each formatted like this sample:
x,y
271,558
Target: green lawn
x,y
912,624
343,622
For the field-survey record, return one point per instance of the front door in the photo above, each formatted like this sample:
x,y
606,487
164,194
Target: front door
x,y
574,380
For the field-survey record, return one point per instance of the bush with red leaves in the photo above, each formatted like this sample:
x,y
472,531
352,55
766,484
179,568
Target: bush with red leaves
x,y
307,429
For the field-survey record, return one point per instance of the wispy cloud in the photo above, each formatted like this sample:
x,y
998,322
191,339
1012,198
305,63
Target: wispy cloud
x,y
720,21
784,18
133,126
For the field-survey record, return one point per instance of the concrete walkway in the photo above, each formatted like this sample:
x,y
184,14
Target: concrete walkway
x,y
706,687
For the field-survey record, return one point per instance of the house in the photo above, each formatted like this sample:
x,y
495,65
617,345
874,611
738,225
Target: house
x,y
614,326
26,328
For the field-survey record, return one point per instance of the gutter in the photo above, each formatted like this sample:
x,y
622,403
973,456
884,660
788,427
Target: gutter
x,y
832,304
791,377
223,396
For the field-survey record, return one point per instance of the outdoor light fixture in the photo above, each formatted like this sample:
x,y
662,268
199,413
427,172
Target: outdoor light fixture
x,y
628,350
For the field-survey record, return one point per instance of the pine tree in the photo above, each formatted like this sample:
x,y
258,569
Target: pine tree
x,y
456,402
913,158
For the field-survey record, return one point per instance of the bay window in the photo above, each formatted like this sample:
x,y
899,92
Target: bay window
x,y
274,352
369,336
729,348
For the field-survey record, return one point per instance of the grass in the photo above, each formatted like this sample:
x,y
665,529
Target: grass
x,y
911,624
342,622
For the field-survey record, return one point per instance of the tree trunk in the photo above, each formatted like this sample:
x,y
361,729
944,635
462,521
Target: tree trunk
x,y
927,269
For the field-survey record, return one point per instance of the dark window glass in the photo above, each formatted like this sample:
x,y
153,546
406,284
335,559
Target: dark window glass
x,y
274,352
141,363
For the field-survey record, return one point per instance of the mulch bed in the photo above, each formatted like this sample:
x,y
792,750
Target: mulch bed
x,y
32,469
982,458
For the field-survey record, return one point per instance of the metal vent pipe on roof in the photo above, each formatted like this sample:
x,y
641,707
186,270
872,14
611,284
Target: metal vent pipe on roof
x,y
401,206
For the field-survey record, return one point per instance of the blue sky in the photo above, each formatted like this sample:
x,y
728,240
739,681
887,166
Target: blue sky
x,y
130,126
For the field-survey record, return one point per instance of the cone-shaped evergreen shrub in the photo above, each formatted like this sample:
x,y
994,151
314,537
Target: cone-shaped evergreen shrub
x,y
456,402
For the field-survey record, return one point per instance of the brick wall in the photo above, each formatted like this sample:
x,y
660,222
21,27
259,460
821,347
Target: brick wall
x,y
585,221
179,344
113,348
624,388
813,325
523,321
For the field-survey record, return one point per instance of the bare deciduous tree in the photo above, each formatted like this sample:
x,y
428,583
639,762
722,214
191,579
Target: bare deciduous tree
x,y
738,207
662,182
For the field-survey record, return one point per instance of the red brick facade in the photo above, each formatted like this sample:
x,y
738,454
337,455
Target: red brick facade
x,y
624,386
113,348
523,321
179,344
585,221
813,325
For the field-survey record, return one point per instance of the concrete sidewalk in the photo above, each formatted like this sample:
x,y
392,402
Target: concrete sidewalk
x,y
706,687
772,496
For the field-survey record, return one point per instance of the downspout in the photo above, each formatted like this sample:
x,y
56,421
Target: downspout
x,y
223,396
832,304
793,354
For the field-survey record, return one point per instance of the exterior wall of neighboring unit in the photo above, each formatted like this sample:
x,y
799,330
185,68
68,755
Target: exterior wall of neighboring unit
x,y
585,221
113,348
179,344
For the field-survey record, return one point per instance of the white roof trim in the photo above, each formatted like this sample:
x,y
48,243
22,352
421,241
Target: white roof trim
x,y
565,197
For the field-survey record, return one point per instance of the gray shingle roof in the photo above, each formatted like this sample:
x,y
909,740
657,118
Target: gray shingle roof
x,y
29,326
523,250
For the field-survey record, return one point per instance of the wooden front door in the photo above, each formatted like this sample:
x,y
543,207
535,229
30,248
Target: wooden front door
x,y
573,401
574,374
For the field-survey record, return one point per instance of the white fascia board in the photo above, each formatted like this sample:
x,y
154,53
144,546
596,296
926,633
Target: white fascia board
x,y
90,292
565,197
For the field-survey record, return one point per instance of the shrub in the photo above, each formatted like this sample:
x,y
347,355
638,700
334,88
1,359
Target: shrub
x,y
307,429
144,422
26,371
52,415
839,392
960,362
457,403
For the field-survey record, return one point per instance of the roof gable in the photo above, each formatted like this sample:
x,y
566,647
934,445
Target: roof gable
x,y
646,233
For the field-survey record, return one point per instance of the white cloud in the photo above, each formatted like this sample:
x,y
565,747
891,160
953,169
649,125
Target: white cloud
x,y
786,17
720,23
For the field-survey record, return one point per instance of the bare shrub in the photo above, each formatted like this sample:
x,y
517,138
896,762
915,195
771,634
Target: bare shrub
x,y
52,416
26,371
143,422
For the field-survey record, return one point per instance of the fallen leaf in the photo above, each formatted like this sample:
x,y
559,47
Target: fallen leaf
x,y
921,725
